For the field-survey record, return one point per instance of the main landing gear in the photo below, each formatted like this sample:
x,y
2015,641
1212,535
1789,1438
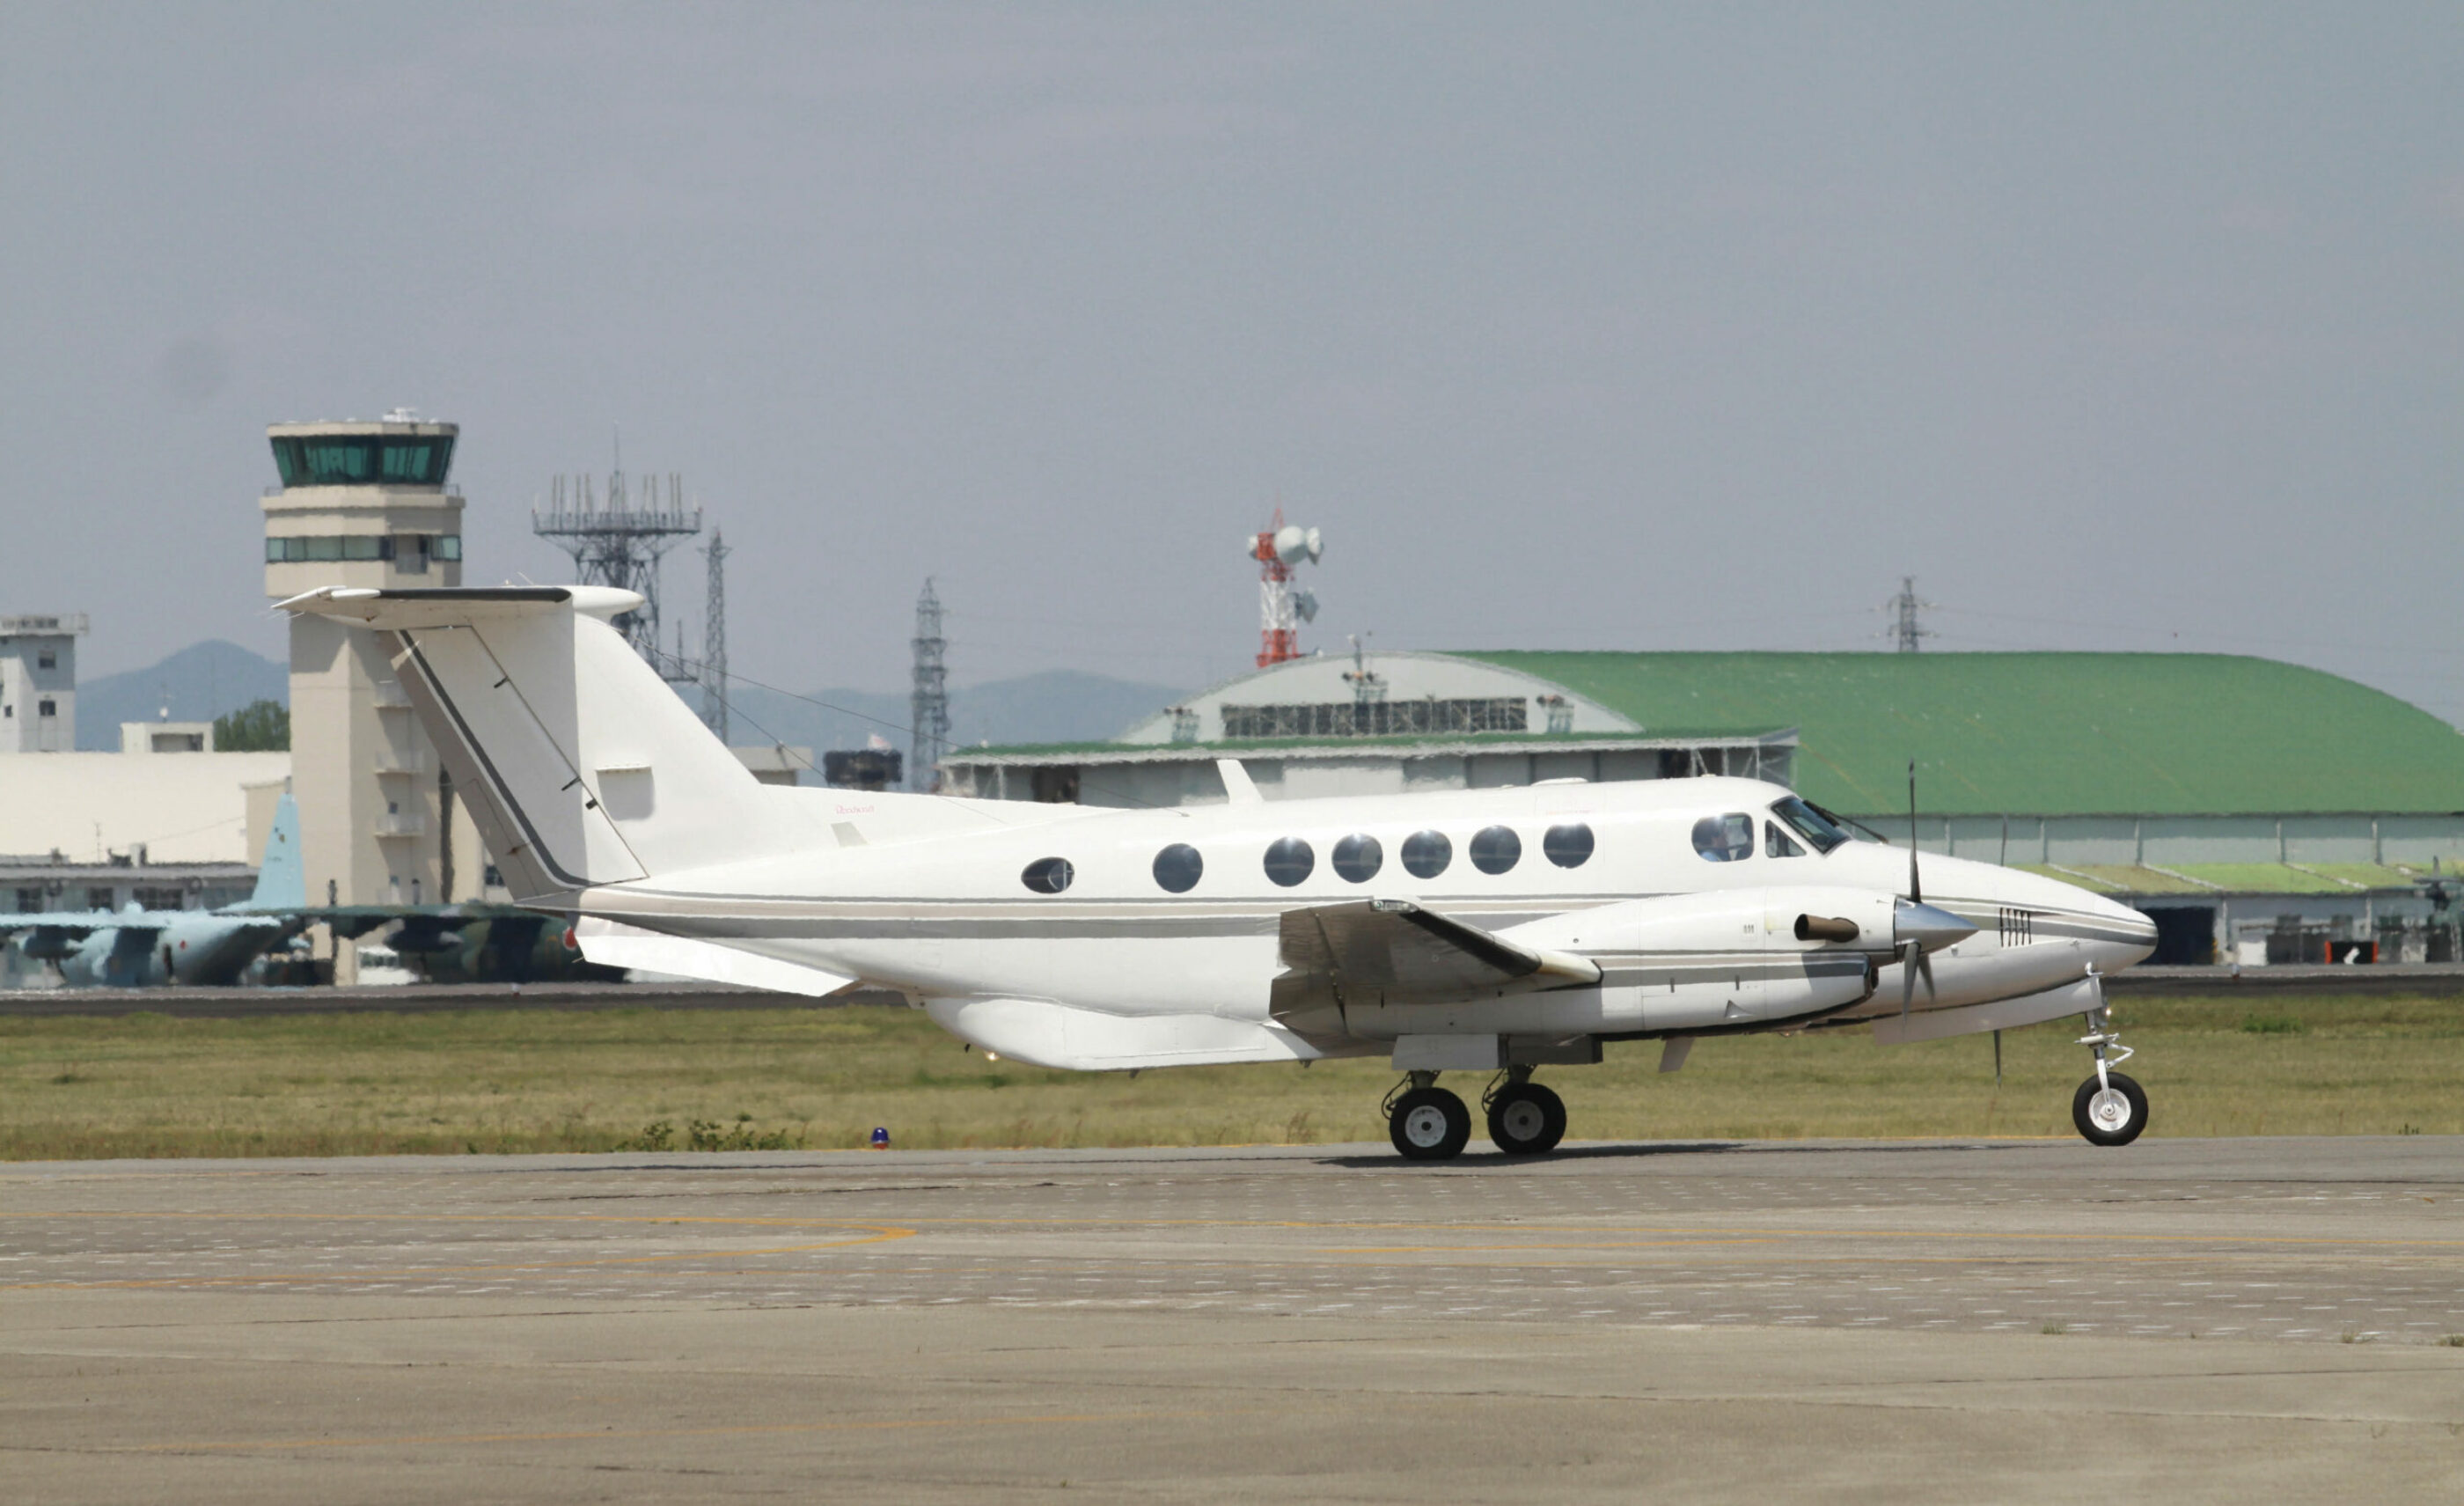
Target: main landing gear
x,y
2109,1108
1426,1122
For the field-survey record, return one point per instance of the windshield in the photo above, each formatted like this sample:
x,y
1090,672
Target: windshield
x,y
1809,824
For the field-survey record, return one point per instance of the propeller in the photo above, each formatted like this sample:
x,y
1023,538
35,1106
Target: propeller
x,y
1919,928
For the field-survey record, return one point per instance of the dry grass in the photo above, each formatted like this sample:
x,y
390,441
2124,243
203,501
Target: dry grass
x,y
511,1081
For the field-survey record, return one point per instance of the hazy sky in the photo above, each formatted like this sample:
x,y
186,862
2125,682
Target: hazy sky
x,y
1619,327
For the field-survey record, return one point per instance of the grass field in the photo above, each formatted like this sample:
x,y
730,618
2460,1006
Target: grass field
x,y
514,1080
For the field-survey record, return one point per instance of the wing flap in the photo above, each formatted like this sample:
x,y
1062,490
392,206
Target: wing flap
x,y
1405,950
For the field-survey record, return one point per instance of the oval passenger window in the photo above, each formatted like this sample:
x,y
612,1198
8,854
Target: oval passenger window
x,y
1048,875
1569,846
1496,850
1289,861
1177,867
1426,854
1725,839
1357,858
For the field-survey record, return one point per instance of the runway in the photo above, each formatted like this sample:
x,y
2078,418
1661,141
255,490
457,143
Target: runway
x,y
1920,1322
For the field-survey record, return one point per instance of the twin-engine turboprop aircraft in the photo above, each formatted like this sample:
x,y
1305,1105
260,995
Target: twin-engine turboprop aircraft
x,y
1490,930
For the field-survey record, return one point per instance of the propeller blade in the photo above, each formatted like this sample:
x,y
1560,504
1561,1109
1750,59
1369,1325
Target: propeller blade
x,y
1910,955
1916,890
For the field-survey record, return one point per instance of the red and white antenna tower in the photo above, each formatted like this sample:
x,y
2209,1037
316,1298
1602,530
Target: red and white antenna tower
x,y
1282,609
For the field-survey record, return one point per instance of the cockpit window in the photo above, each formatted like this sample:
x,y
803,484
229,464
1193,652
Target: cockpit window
x,y
1725,839
1819,833
1778,843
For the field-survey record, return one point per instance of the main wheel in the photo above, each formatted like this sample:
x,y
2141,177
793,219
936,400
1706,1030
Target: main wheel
x,y
1526,1120
2111,1116
1429,1124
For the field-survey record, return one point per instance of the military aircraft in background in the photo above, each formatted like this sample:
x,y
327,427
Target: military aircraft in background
x,y
137,948
1515,928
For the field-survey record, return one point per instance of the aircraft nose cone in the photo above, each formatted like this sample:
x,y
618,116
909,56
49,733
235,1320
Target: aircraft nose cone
x,y
1929,927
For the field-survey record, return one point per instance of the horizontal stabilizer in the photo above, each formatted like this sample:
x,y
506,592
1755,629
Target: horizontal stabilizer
x,y
612,943
458,606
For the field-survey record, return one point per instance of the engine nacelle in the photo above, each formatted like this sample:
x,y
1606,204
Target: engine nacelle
x,y
1679,962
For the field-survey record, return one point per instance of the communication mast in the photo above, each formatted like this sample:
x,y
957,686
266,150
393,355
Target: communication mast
x,y
714,638
1282,609
620,544
929,706
1902,608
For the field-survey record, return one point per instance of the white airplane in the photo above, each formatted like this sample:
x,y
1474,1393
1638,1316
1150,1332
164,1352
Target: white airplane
x,y
1489,930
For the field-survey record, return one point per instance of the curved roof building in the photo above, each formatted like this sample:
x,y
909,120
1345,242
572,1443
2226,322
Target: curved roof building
x,y
2174,778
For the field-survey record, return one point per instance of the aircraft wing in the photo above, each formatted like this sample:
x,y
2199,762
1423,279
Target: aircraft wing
x,y
353,920
80,923
1396,948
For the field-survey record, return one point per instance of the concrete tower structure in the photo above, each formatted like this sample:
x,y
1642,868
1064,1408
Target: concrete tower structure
x,y
366,504
38,682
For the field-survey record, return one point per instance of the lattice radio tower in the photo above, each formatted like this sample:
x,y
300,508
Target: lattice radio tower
x,y
929,706
620,544
1905,633
714,638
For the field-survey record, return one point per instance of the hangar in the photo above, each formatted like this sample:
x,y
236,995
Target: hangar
x,y
2259,810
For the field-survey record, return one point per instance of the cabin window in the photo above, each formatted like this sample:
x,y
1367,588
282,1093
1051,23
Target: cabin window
x,y
1177,867
1496,850
1048,875
1778,843
1567,846
1820,832
1725,839
1357,858
1290,860
1426,854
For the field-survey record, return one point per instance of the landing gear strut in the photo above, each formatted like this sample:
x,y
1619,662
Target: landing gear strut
x,y
1523,1117
2109,1108
1425,1122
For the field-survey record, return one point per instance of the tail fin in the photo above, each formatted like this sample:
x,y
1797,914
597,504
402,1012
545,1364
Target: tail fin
x,y
586,768
281,881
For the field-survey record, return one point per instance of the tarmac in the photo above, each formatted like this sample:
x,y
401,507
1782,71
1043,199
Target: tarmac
x,y
2184,1321
2440,979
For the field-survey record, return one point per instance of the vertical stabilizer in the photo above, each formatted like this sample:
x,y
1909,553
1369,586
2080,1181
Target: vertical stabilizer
x,y
586,767
282,880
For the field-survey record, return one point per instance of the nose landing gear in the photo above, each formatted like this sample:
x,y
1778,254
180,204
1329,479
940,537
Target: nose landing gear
x,y
2109,1108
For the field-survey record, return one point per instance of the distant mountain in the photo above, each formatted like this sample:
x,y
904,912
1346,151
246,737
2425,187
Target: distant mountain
x,y
1056,706
215,677
197,683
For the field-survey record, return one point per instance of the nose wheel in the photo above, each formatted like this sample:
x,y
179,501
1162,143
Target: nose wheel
x,y
2111,1111
1426,1122
2109,1108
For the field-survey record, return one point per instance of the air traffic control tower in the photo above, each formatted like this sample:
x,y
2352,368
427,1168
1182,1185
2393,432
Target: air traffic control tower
x,y
366,504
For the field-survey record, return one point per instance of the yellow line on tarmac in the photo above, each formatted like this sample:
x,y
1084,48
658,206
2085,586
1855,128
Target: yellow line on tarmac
x,y
720,1432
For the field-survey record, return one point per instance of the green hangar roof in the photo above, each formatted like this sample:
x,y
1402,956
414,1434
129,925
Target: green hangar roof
x,y
2047,734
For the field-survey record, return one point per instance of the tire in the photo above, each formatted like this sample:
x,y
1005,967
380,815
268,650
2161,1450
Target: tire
x,y
2124,1111
1429,1124
1526,1120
